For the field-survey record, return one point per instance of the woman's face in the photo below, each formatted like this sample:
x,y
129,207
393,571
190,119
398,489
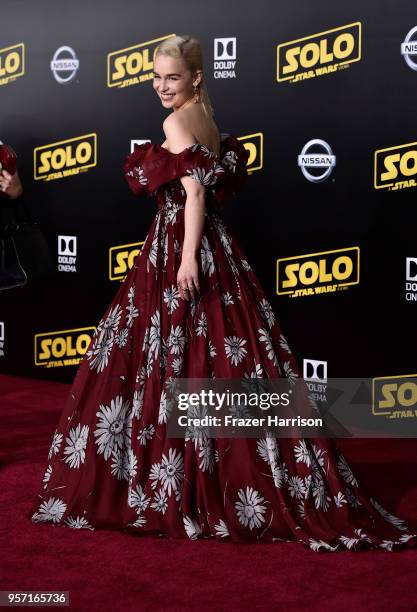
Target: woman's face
x,y
172,81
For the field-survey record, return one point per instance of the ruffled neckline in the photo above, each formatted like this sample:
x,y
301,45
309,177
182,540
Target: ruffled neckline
x,y
228,139
150,165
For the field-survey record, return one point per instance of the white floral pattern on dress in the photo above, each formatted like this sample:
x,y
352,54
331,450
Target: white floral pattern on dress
x,y
103,339
235,349
267,489
76,445
250,509
113,427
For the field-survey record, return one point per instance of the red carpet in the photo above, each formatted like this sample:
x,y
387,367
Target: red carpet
x,y
111,570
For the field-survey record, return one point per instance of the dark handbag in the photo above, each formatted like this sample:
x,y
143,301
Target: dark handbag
x,y
24,251
11,272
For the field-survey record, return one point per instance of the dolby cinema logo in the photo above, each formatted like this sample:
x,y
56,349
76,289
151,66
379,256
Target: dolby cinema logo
x,y
225,58
64,65
67,253
411,279
316,160
409,49
135,142
313,369
315,376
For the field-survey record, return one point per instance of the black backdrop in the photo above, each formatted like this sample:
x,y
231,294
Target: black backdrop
x,y
366,105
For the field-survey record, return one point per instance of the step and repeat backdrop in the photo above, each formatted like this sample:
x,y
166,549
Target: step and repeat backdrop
x,y
323,96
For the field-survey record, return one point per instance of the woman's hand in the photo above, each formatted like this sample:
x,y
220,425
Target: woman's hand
x,y
187,277
10,184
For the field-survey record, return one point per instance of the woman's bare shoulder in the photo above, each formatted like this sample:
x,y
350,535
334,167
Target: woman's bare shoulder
x,y
177,133
188,126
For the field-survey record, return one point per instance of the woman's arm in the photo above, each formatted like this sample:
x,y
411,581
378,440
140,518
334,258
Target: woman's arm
x,y
194,213
178,138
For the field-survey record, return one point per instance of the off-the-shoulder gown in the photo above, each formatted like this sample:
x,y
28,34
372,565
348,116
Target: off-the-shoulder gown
x,y
111,464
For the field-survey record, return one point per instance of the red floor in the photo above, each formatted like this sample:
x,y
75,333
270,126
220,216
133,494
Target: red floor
x,y
110,570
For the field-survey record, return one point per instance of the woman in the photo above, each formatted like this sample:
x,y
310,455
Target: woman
x,y
11,272
192,307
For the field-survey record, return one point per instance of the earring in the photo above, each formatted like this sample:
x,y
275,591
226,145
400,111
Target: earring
x,y
196,94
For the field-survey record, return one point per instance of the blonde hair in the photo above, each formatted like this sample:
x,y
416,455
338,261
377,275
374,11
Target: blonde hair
x,y
189,49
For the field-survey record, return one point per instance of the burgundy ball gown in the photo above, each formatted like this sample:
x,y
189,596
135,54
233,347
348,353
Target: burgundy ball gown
x,y
111,464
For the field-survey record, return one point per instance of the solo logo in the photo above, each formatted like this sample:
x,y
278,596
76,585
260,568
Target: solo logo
x,y
319,54
121,259
395,396
254,144
67,253
396,167
62,348
65,158
132,65
317,273
12,63
1,338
